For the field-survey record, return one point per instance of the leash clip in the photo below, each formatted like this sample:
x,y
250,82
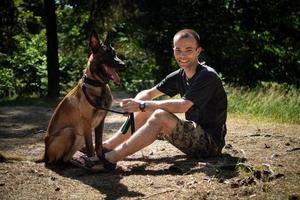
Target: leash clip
x,y
128,123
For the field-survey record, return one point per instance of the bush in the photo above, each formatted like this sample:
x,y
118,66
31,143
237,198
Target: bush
x,y
29,65
140,68
8,83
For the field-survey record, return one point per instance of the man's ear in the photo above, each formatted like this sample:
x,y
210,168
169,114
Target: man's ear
x,y
94,42
199,50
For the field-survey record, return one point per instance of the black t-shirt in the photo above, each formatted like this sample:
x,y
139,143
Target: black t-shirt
x,y
206,91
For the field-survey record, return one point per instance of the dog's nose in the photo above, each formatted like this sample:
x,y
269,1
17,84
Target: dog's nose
x,y
120,62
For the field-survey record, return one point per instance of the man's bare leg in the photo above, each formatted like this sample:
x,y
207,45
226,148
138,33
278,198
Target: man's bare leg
x,y
160,121
118,138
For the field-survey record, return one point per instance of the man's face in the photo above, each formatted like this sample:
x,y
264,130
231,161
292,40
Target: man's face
x,y
186,52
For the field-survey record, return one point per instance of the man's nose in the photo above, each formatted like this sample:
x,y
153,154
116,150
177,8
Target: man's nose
x,y
183,54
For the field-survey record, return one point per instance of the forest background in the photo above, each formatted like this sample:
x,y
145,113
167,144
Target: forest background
x,y
252,44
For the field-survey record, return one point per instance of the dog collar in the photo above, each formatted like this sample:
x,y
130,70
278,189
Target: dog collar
x,y
92,82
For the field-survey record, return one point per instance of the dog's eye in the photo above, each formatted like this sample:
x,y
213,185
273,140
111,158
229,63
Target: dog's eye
x,y
106,49
109,51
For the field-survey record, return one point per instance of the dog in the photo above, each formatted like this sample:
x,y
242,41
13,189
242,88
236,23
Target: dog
x,y
78,114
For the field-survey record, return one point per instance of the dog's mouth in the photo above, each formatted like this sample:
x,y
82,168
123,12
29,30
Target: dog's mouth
x,y
112,74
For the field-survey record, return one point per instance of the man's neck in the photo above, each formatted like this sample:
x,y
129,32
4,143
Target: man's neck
x,y
190,72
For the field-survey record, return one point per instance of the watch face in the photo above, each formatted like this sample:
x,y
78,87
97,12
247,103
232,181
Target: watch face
x,y
142,106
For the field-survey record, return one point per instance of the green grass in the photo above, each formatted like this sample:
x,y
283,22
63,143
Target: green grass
x,y
270,101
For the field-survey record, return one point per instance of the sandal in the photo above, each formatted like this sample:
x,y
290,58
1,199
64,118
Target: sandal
x,y
93,164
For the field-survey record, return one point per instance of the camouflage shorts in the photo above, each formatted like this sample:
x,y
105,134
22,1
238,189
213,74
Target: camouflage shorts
x,y
192,140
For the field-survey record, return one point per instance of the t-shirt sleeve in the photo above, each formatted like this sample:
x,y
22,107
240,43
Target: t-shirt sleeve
x,y
169,84
202,90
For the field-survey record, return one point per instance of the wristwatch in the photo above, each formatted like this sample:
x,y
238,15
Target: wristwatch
x,y
142,106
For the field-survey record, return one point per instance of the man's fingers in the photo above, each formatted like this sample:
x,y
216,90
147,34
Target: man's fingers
x,y
129,105
124,102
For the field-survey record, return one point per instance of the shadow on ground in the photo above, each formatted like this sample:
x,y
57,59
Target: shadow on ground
x,y
223,167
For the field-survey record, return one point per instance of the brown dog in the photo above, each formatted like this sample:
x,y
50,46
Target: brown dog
x,y
74,119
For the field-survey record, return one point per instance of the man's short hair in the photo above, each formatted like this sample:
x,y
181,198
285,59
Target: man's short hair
x,y
186,33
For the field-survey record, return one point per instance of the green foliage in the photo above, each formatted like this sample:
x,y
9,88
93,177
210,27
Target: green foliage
x,y
267,100
246,41
7,83
73,48
140,66
71,68
29,64
23,67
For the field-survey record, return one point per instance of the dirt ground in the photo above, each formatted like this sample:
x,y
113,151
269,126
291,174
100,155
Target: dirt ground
x,y
260,161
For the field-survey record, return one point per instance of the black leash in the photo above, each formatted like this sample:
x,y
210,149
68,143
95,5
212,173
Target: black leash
x,y
130,120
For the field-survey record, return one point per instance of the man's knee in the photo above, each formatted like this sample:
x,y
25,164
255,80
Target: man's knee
x,y
159,115
163,119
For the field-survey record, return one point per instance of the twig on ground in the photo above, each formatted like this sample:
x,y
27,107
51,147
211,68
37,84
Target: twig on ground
x,y
158,193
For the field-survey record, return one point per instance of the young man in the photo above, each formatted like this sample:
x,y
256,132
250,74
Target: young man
x,y
203,100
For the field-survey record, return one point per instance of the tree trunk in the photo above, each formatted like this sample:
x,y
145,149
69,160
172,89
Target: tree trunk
x,y
52,49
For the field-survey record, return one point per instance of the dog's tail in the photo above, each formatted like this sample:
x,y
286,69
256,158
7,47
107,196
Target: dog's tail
x,y
5,158
11,158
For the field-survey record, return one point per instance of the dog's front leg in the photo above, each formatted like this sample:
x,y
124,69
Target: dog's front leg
x,y
98,138
88,136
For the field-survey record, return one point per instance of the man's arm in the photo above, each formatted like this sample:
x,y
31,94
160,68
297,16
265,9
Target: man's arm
x,y
149,94
171,105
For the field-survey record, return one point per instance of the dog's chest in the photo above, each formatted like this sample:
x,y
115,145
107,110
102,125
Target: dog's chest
x,y
97,117
103,101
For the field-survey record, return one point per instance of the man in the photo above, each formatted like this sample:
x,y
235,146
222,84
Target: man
x,y
203,100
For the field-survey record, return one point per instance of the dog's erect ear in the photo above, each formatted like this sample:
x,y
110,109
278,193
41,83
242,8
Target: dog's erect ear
x,y
107,40
94,42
